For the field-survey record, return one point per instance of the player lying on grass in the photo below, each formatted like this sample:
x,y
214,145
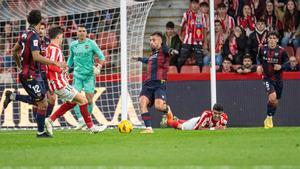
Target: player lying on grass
x,y
214,119
58,83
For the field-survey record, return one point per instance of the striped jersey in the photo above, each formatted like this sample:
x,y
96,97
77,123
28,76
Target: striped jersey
x,y
206,120
194,24
57,79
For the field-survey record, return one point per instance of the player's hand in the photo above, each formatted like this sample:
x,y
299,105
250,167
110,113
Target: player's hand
x,y
135,58
259,70
277,67
62,65
97,69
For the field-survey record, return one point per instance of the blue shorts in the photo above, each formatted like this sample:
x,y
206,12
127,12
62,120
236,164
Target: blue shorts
x,y
35,87
273,86
154,90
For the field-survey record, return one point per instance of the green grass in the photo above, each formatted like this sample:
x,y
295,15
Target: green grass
x,y
166,148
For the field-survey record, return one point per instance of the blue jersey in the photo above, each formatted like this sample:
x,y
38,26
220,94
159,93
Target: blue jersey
x,y
157,64
29,41
268,57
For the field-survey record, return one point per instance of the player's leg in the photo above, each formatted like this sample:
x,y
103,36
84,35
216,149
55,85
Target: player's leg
x,y
78,85
145,100
185,53
89,89
51,102
82,101
272,103
12,96
189,124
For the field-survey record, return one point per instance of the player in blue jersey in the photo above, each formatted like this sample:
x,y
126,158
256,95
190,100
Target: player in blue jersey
x,y
272,59
30,71
154,87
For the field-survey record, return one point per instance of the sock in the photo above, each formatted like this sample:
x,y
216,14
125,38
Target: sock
x,y
271,109
62,110
40,119
49,109
24,98
90,108
34,111
77,112
147,119
86,116
173,123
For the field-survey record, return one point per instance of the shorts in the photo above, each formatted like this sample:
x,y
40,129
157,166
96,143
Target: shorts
x,y
273,86
154,90
66,94
190,124
87,83
35,88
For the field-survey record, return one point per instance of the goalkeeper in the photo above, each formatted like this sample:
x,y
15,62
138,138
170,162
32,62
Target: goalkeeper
x,y
81,60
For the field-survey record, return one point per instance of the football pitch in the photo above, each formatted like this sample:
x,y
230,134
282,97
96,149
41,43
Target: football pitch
x,y
236,148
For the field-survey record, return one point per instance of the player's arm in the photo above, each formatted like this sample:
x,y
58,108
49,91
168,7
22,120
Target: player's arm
x,y
141,59
35,51
15,55
99,53
285,62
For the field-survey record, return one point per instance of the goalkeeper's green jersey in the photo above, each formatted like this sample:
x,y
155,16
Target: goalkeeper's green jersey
x,y
82,57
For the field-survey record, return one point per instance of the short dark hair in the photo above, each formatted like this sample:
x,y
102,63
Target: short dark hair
x,y
274,33
170,24
221,5
228,59
43,23
247,56
157,33
218,107
54,31
205,4
261,20
34,17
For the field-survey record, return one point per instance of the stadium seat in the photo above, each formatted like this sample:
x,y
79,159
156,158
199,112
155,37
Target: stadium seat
x,y
206,69
290,51
172,70
190,69
107,40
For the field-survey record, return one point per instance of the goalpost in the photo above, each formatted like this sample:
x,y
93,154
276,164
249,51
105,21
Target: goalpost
x,y
118,28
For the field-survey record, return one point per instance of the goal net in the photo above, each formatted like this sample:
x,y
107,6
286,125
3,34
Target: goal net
x,y
102,20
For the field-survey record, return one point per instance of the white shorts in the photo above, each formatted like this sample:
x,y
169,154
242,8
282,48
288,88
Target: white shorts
x,y
190,124
67,93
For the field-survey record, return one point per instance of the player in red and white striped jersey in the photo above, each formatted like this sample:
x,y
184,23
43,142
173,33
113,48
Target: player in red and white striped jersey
x,y
214,119
58,83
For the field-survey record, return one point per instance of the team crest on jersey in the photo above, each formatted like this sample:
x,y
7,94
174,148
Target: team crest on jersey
x,y
35,42
87,46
